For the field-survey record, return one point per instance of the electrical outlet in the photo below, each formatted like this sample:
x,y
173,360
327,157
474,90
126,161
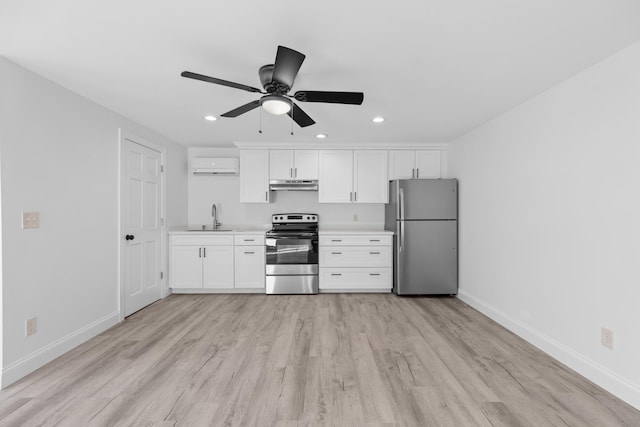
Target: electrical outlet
x,y
31,326
606,338
355,217
30,220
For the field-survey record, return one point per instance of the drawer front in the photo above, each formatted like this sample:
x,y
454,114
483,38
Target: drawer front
x,y
355,256
347,279
357,240
202,240
249,239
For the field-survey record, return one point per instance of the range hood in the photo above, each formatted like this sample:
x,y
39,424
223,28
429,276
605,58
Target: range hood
x,y
293,185
215,165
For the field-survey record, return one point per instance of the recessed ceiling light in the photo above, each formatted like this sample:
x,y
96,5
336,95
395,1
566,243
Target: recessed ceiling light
x,y
378,119
210,118
321,136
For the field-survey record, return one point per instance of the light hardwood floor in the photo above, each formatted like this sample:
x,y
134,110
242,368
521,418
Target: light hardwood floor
x,y
336,360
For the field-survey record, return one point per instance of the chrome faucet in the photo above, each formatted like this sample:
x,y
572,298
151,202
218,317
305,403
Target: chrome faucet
x,y
214,214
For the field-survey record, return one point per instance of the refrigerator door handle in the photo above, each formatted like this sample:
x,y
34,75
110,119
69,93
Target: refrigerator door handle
x,y
401,222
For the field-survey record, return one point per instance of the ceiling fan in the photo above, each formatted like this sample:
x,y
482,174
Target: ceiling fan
x,y
277,80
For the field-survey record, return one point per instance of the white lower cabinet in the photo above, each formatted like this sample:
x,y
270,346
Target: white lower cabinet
x,y
202,263
360,262
249,262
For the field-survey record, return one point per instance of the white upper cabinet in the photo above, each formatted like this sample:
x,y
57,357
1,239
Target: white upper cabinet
x,y
293,164
407,164
335,176
254,176
428,164
370,183
353,176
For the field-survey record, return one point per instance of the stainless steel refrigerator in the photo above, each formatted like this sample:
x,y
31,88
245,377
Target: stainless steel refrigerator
x,y
423,214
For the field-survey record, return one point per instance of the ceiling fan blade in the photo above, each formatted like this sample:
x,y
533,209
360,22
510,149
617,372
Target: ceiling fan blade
x,y
285,69
355,98
300,117
190,75
243,109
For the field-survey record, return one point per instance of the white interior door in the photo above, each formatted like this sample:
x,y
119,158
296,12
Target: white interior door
x,y
141,226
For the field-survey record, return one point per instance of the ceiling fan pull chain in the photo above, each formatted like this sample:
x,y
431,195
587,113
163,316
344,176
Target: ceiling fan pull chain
x,y
260,130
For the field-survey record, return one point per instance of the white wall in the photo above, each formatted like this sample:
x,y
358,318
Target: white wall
x,y
59,155
224,191
549,229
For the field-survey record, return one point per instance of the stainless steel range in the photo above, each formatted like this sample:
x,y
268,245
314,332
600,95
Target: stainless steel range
x,y
292,254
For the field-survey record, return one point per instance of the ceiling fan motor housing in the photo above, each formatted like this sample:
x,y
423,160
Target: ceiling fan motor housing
x,y
266,79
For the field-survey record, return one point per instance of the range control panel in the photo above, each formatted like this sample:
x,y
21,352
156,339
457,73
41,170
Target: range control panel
x,y
293,218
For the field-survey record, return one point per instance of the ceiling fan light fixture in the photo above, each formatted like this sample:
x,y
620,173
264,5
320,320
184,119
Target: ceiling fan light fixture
x,y
321,135
378,119
275,104
210,118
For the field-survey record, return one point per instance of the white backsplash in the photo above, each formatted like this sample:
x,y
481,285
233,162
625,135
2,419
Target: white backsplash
x,y
224,191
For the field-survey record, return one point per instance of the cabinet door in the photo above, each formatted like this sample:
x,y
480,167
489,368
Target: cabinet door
x,y
250,267
335,176
371,183
428,164
401,164
254,176
186,267
218,267
305,165
281,164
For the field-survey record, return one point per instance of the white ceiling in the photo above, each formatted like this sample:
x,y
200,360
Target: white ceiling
x,y
434,68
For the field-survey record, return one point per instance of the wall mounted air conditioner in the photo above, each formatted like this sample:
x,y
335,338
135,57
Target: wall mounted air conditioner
x,y
215,165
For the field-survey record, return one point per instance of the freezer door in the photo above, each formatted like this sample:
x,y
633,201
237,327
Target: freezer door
x,y
429,198
426,261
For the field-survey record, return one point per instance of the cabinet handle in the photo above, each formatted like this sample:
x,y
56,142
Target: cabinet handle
x,y
199,252
336,253
374,253
417,172
374,274
374,240
291,172
295,172
249,253
204,252
351,196
336,240
336,274
355,196
413,172
266,196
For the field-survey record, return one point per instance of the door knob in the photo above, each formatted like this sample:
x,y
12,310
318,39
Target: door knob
x,y
129,237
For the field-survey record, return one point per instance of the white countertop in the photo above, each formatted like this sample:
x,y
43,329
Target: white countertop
x,y
224,229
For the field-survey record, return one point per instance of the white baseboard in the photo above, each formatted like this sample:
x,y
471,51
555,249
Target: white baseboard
x,y
610,381
41,357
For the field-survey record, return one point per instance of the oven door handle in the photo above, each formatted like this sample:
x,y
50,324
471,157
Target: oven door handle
x,y
290,235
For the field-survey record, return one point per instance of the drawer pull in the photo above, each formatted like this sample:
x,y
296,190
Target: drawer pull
x,y
374,240
336,253
336,274
249,240
374,253
374,274
336,240
249,253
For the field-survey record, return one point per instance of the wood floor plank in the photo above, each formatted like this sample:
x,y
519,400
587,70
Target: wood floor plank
x,y
324,360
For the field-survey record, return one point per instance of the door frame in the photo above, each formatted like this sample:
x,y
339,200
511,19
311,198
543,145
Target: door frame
x,y
123,137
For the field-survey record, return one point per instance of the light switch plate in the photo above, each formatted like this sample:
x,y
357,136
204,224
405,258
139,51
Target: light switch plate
x,y
30,220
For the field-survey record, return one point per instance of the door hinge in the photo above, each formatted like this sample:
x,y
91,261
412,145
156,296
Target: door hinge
x,y
161,275
161,168
161,221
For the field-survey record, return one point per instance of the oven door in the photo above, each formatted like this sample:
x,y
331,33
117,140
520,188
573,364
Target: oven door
x,y
292,253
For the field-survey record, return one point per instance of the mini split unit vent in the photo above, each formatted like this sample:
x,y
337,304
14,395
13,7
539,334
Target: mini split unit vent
x,y
215,165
